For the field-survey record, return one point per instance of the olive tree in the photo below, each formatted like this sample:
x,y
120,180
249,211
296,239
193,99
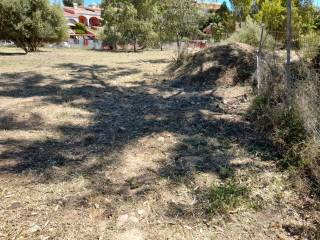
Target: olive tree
x,y
150,22
129,21
241,9
30,23
181,19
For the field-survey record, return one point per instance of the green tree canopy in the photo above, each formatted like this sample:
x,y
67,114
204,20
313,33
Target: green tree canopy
x,y
241,9
181,19
128,21
69,3
30,23
317,20
273,13
148,22
222,22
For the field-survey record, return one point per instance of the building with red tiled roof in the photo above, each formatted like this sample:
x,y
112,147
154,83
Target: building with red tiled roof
x,y
210,7
90,17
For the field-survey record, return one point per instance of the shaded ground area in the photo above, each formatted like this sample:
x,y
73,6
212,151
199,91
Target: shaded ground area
x,y
98,145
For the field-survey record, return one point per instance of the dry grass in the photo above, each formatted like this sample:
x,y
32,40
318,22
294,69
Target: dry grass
x,y
97,145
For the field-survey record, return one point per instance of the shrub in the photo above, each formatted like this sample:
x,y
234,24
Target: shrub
x,y
306,98
311,157
293,128
258,113
80,28
288,128
310,45
282,125
30,23
250,34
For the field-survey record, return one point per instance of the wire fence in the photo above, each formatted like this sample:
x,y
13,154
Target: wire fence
x,y
272,57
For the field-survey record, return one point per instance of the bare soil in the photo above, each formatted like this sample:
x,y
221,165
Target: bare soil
x,y
128,146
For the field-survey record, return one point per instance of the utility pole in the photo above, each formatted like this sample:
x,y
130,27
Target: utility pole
x,y
289,39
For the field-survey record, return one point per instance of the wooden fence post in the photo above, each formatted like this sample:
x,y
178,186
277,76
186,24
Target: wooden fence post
x,y
289,39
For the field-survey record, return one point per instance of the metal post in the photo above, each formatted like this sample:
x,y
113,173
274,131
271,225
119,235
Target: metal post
x,y
289,38
259,55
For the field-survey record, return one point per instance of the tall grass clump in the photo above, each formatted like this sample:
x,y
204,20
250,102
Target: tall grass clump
x,y
227,197
280,124
306,100
294,126
250,34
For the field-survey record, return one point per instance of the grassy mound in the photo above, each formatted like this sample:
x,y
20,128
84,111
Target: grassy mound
x,y
225,63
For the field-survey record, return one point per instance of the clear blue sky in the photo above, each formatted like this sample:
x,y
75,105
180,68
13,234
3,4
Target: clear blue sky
x,y
87,2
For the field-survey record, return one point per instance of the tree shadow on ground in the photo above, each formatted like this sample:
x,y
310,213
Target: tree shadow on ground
x,y
9,122
122,116
16,53
157,61
11,53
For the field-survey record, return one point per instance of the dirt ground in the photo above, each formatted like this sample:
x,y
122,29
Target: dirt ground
x,y
129,146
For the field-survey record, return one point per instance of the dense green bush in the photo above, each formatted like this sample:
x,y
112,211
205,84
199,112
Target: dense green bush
x,y
31,23
250,34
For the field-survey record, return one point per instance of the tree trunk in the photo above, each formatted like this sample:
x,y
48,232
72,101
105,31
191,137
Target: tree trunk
x,y
178,44
114,42
20,44
135,45
161,42
115,46
33,45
